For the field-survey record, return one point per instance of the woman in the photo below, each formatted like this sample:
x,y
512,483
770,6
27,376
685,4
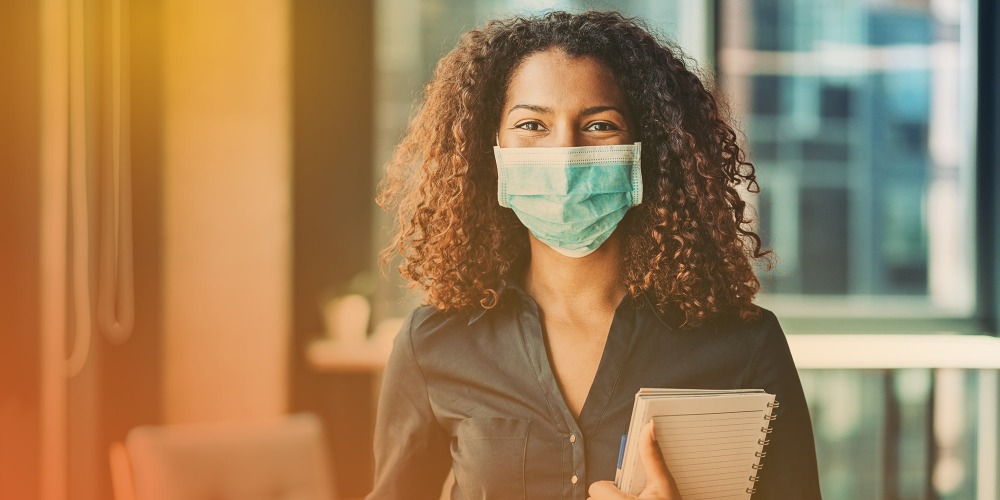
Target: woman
x,y
562,273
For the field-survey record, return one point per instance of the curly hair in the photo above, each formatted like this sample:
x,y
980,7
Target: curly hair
x,y
689,246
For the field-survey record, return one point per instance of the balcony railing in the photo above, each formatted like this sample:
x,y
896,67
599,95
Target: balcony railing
x,y
934,352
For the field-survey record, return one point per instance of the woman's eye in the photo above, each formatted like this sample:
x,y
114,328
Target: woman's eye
x,y
532,126
602,127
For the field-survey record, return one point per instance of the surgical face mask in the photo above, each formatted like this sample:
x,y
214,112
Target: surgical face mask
x,y
571,199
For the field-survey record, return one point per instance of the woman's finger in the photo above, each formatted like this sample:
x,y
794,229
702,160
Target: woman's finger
x,y
605,490
659,482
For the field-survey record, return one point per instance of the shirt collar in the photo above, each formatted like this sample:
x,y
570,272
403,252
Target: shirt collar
x,y
648,303
506,288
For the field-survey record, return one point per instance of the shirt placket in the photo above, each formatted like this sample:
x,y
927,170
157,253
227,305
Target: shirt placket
x,y
572,447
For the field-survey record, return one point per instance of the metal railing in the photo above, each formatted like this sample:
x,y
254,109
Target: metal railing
x,y
935,352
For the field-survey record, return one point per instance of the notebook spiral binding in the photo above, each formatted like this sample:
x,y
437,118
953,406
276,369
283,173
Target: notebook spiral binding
x,y
766,430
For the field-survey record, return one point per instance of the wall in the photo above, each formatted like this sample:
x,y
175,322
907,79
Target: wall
x,y
226,209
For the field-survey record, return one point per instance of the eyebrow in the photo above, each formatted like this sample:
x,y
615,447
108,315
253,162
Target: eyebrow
x,y
530,107
593,110
600,109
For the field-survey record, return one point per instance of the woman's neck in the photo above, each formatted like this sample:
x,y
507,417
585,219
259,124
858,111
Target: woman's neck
x,y
564,285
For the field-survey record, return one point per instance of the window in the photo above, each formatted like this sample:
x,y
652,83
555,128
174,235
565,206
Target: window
x,y
859,116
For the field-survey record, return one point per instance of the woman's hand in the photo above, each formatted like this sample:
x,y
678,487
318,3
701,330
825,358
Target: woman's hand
x,y
659,483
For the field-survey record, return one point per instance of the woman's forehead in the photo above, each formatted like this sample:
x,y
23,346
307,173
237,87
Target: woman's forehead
x,y
556,80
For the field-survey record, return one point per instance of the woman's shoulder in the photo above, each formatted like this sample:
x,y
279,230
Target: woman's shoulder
x,y
762,324
756,335
768,330
428,323
768,345
452,345
766,321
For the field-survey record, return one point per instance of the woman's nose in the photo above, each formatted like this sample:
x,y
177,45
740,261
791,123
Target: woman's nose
x,y
566,137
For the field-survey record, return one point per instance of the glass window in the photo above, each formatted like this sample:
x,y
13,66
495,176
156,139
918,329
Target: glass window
x,y
859,117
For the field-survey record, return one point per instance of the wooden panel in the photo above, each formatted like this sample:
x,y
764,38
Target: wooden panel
x,y
19,250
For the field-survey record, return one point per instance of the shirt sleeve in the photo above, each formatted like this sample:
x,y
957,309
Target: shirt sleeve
x,y
789,468
412,455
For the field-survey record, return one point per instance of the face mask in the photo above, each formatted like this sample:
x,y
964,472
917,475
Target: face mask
x,y
571,199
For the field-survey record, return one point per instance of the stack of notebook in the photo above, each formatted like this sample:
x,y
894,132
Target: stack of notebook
x,y
712,441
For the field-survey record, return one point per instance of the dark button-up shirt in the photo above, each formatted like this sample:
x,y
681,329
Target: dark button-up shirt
x,y
477,395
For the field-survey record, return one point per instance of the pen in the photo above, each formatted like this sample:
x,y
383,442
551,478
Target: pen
x,y
621,457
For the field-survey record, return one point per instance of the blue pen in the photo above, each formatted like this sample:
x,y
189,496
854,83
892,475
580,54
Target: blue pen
x,y
621,458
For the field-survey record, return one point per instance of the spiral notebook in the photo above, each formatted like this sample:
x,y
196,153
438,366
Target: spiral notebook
x,y
712,441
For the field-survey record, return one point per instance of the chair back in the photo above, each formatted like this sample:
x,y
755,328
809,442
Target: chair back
x,y
282,459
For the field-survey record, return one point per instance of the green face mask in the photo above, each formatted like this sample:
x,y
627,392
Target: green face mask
x,y
571,199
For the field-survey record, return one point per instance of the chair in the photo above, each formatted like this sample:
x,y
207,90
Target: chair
x,y
280,459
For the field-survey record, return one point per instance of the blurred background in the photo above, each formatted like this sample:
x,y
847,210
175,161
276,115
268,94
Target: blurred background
x,y
187,231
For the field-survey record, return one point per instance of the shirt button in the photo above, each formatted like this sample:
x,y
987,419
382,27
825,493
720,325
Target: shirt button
x,y
572,438
574,479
